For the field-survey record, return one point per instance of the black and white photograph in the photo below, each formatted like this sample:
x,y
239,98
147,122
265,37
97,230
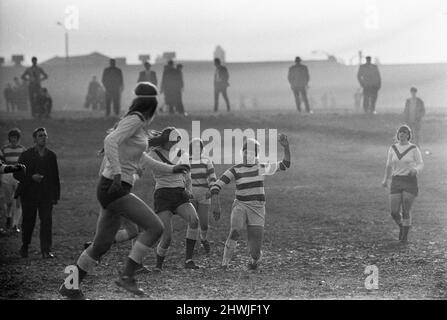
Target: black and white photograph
x,y
223,155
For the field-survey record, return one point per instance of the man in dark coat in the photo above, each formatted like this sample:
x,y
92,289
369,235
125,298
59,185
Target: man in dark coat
x,y
298,77
221,77
169,85
370,80
147,75
112,80
39,191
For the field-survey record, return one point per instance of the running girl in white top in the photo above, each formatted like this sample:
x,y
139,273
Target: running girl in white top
x,y
124,149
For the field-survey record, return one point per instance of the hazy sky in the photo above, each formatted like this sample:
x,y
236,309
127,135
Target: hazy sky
x,y
396,31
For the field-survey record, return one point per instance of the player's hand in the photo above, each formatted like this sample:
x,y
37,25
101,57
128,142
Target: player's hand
x,y
413,172
37,177
385,184
181,168
283,140
116,185
15,168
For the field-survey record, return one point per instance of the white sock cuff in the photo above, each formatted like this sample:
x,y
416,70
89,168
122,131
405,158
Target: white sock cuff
x,y
138,252
192,234
86,263
162,252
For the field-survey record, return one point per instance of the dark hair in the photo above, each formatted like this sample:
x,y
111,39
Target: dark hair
x,y
36,131
201,145
161,139
413,89
34,59
146,100
144,105
217,60
297,59
404,128
14,133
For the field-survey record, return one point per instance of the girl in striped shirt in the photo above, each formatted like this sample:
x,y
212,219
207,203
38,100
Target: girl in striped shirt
x,y
203,177
249,206
403,164
172,196
10,154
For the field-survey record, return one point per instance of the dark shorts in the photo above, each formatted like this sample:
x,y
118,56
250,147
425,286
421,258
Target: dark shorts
x,y
104,197
169,199
408,184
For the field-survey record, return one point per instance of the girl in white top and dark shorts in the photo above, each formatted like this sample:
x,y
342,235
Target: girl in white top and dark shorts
x,y
172,196
124,150
403,164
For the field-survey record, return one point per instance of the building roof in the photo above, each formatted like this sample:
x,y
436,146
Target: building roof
x,y
94,58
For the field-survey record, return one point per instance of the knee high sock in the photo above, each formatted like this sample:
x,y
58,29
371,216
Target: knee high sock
x,y
85,265
230,246
192,235
135,258
161,254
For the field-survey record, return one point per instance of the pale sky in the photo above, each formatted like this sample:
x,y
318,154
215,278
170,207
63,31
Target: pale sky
x,y
396,31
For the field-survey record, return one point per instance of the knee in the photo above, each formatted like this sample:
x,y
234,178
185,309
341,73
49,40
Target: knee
x,y
234,234
100,248
204,225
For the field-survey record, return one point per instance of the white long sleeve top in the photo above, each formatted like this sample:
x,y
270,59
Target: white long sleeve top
x,y
403,158
124,150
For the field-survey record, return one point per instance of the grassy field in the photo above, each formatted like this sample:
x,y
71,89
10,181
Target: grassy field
x,y
327,217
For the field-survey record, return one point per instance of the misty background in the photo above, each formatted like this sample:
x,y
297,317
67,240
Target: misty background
x,y
260,39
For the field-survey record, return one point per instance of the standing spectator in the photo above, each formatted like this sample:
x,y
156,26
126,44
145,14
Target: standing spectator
x,y
168,85
112,80
44,104
8,94
9,154
34,75
298,77
413,113
93,97
370,80
147,75
179,85
221,77
39,190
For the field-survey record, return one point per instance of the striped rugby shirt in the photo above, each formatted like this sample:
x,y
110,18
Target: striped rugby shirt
x,y
10,154
202,172
249,180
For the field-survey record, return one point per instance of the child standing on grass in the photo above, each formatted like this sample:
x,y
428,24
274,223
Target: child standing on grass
x,y
202,178
249,206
